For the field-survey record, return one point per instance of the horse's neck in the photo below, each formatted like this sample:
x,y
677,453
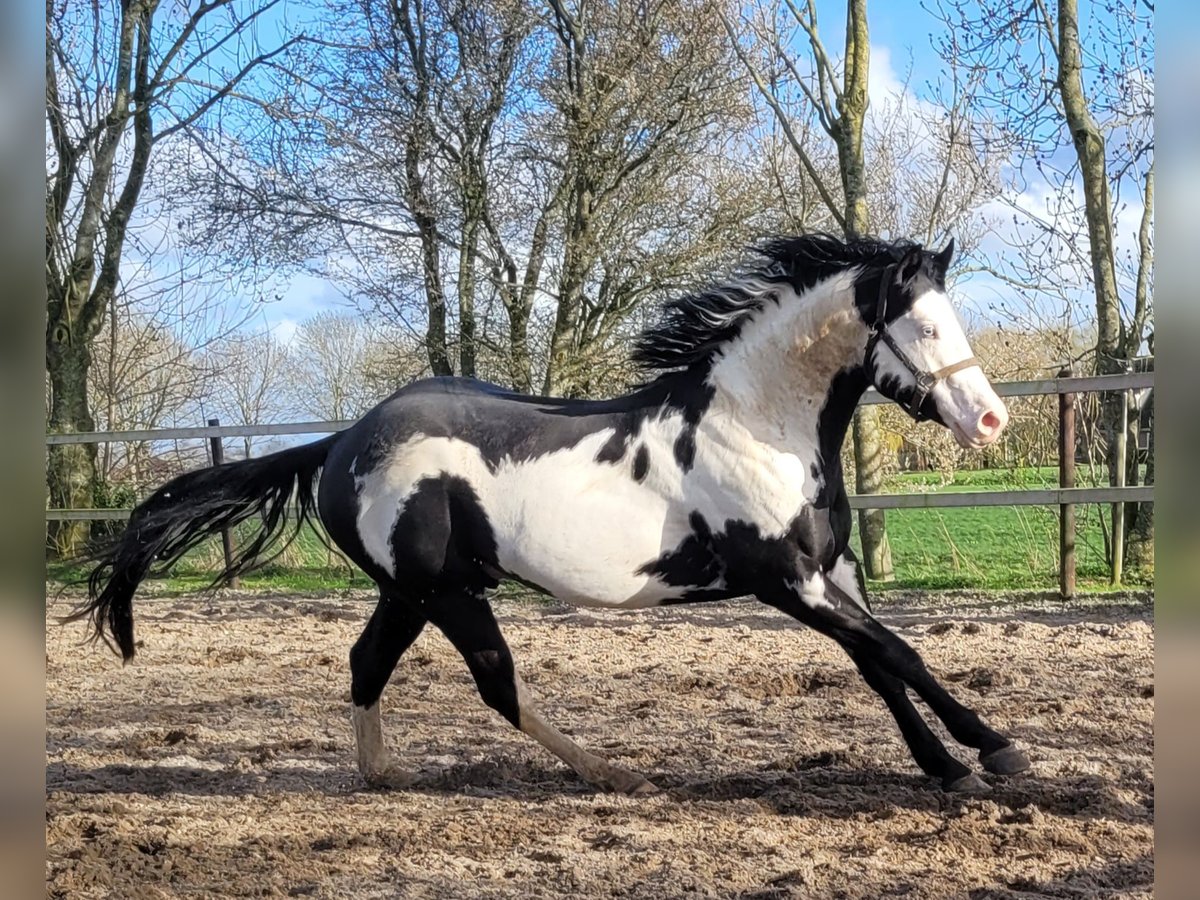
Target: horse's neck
x,y
792,378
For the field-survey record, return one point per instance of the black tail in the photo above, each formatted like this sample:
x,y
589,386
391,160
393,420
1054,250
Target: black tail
x,y
187,510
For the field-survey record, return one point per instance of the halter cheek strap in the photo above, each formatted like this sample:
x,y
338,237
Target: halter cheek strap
x,y
925,380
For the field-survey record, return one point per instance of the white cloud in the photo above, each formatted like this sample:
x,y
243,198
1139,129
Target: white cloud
x,y
883,82
285,330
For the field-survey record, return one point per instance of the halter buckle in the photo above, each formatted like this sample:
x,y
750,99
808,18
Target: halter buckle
x,y
924,387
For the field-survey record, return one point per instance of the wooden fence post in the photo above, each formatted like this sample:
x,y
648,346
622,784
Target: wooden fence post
x,y
218,457
1118,509
1066,479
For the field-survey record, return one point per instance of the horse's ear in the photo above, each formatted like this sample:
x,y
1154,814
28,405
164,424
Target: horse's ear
x,y
910,263
941,261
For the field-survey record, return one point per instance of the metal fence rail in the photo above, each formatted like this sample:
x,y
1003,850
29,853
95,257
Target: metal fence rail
x,y
1029,497
1135,380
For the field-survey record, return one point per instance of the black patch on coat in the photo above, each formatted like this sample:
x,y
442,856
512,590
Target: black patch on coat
x,y
506,425
693,563
753,562
685,450
613,450
828,534
746,560
641,463
692,405
442,537
833,420
813,534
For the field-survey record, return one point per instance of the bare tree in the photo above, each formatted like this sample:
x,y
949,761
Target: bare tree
x,y
121,78
640,91
373,164
1075,110
250,381
145,375
331,356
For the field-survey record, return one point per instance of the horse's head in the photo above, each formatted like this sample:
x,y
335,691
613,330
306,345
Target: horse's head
x,y
918,355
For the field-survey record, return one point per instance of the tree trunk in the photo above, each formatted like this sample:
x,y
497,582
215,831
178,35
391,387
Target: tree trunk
x,y
559,381
866,433
70,468
1090,149
519,366
466,295
435,305
868,479
426,222
1092,155
560,373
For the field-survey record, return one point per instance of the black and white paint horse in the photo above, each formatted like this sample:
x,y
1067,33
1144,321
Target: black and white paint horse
x,y
719,478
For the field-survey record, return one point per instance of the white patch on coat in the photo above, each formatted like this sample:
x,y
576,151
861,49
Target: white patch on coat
x,y
844,574
774,377
582,530
811,591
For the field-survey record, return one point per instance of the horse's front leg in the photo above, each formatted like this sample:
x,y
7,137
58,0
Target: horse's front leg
x,y
832,603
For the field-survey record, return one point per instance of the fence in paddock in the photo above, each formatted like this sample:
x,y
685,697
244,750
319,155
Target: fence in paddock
x,y
1066,496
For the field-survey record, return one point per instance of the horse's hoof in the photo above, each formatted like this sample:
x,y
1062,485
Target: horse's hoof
x,y
629,783
968,784
1005,761
644,789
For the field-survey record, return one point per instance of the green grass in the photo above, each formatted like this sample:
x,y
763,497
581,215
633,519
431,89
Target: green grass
x,y
986,548
992,547
305,567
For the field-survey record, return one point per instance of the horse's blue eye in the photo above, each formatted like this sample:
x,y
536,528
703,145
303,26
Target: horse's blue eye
x,y
929,331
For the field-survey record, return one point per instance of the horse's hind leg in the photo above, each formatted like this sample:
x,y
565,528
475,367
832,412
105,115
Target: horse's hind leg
x,y
391,630
468,622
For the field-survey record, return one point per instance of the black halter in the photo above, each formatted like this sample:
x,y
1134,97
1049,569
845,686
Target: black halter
x,y
925,380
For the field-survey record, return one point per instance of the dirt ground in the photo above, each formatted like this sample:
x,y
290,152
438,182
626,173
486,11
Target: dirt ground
x,y
221,762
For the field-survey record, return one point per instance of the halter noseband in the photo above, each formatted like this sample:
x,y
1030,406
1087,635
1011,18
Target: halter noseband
x,y
925,380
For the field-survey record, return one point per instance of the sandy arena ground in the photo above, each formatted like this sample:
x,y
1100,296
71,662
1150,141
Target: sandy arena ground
x,y
222,763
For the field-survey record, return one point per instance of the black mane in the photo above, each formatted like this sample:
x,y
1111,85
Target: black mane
x,y
693,328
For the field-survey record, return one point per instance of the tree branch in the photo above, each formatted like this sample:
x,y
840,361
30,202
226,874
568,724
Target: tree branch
x,y
782,118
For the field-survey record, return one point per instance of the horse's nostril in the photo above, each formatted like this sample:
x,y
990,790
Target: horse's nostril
x,y
989,422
